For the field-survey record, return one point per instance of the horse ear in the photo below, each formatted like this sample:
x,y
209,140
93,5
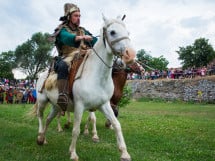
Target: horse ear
x,y
123,17
119,17
104,18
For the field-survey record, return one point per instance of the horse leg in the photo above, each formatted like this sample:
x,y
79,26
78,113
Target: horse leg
x,y
92,118
67,125
52,114
75,132
59,128
108,112
86,127
40,109
115,110
108,124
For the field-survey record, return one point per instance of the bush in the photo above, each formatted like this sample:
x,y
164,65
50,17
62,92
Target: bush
x,y
125,100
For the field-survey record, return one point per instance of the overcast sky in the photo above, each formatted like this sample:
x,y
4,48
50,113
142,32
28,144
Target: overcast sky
x,y
158,26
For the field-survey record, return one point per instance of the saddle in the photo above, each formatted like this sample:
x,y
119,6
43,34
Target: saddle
x,y
76,62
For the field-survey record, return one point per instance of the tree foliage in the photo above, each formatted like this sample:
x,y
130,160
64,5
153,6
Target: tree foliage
x,y
7,64
197,55
126,97
151,63
34,55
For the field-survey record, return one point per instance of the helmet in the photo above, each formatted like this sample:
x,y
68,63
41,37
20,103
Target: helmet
x,y
69,8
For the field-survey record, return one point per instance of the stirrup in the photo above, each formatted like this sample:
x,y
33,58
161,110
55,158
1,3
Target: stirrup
x,y
63,101
64,96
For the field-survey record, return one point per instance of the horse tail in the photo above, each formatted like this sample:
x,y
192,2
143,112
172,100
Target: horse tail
x,y
33,111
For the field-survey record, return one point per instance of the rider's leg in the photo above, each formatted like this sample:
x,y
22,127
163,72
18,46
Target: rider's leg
x,y
62,83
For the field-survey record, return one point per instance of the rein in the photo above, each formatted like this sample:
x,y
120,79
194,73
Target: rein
x,y
91,46
100,57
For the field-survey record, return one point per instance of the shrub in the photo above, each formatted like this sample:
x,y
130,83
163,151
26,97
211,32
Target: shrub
x,y
125,100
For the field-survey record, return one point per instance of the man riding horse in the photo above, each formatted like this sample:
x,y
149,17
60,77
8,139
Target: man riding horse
x,y
70,37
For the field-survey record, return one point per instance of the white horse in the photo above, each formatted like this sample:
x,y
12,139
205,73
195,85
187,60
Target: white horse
x,y
93,89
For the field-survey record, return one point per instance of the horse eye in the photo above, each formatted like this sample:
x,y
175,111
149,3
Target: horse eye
x,y
112,33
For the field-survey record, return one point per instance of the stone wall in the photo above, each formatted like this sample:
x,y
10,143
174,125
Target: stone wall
x,y
198,89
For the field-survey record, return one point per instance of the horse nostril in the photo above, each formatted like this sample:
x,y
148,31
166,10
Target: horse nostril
x,y
127,52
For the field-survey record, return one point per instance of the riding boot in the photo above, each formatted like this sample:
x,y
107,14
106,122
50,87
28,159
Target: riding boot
x,y
63,93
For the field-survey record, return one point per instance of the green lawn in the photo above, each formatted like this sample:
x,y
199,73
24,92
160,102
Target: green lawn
x,y
153,131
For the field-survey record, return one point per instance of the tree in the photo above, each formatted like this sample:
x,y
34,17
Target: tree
x,y
143,56
34,55
197,55
159,63
150,62
7,64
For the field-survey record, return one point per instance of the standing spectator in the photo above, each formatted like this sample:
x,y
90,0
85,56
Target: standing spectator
x,y
146,75
9,95
34,93
1,95
31,98
25,96
168,73
172,75
203,71
152,75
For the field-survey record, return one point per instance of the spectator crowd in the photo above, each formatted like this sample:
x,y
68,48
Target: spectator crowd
x,y
23,91
17,91
174,73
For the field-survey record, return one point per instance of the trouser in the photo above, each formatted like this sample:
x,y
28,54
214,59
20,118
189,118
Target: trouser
x,y
62,83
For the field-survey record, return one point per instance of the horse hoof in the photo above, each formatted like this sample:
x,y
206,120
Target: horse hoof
x,y
60,130
86,132
125,159
66,126
40,139
40,142
74,157
95,139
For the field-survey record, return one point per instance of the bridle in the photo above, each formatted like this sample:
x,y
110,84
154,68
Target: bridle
x,y
110,43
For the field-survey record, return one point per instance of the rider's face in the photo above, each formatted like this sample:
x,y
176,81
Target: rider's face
x,y
75,18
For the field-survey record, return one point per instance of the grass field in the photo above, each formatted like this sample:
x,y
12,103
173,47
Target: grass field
x,y
153,131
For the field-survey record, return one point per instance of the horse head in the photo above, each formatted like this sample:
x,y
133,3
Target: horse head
x,y
135,67
116,36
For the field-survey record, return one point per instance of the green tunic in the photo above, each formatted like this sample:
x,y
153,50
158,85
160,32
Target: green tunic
x,y
65,40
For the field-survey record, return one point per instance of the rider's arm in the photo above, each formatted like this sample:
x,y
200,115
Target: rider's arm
x,y
94,39
67,38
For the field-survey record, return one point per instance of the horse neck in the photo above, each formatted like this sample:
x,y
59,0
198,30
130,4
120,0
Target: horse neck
x,y
96,65
133,70
119,79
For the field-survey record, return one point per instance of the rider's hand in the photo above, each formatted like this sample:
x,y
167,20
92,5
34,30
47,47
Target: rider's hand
x,y
87,38
84,37
78,38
